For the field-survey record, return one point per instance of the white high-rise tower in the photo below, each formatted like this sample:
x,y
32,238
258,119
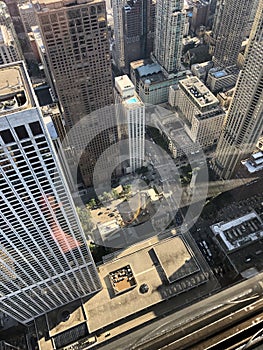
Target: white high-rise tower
x,y
44,258
131,110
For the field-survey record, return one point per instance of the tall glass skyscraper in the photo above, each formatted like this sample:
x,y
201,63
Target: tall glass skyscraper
x,y
244,124
44,258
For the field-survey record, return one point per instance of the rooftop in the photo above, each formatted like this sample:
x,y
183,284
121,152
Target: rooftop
x,y
107,307
148,69
15,88
148,72
239,232
123,83
145,268
176,260
254,163
37,36
4,36
218,72
125,88
26,6
199,92
56,4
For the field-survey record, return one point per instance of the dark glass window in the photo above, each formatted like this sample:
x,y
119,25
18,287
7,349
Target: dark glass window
x,y
21,132
7,136
35,128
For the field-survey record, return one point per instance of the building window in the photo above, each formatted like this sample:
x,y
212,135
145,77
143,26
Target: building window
x,y
35,128
7,136
21,132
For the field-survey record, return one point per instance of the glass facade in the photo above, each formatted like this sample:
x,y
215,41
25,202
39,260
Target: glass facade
x,y
44,258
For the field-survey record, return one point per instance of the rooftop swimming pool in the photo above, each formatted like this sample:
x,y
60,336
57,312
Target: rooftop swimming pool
x,y
132,100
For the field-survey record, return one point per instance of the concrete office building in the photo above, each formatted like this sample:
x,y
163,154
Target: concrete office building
x,y
133,31
28,15
10,50
76,41
219,79
201,69
118,53
46,260
244,124
204,117
75,37
250,21
131,111
200,13
151,84
228,30
168,36
22,35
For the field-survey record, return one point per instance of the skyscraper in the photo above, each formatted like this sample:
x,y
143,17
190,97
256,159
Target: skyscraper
x,y
10,50
20,31
75,36
131,113
133,30
44,261
228,31
169,28
244,123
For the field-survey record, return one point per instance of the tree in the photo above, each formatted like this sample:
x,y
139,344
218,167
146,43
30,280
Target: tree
x,y
107,196
85,220
101,198
127,189
115,194
92,203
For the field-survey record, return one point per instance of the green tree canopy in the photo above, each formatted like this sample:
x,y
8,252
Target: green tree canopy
x,y
85,219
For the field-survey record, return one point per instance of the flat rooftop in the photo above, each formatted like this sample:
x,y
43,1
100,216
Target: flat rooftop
x,y
178,136
239,232
219,74
149,72
252,167
254,163
146,269
15,89
126,90
176,260
105,308
148,69
56,4
201,95
124,82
